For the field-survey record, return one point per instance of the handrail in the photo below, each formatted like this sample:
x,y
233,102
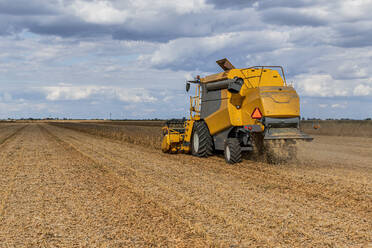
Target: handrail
x,y
267,66
195,102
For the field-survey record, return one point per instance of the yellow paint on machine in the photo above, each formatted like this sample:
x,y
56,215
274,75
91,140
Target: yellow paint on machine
x,y
262,88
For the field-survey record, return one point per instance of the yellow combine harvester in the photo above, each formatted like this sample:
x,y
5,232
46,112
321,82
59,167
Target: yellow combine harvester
x,y
235,111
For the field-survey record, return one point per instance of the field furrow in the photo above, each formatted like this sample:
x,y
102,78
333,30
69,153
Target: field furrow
x,y
63,198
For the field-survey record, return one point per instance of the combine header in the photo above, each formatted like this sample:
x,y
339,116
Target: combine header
x,y
236,111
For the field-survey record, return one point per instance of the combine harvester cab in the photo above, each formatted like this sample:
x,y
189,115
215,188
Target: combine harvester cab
x,y
240,110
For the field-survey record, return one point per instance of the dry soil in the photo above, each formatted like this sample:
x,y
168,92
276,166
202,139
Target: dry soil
x,y
65,188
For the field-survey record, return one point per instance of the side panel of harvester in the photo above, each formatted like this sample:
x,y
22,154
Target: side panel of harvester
x,y
214,110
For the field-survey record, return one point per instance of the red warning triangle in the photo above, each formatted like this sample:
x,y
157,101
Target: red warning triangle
x,y
256,114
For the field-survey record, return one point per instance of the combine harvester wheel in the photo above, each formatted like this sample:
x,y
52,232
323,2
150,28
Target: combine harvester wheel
x,y
202,144
233,151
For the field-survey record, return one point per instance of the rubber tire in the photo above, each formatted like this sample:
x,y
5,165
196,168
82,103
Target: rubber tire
x,y
232,148
205,147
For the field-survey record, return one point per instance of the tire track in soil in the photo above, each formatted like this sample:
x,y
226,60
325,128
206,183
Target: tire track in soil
x,y
18,222
157,214
194,215
278,180
62,199
9,143
334,186
81,145
8,133
221,221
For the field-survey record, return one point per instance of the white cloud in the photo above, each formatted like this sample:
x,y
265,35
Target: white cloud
x,y
184,48
322,85
362,90
193,51
100,12
134,95
354,9
180,6
56,93
8,109
338,105
119,12
349,69
12,107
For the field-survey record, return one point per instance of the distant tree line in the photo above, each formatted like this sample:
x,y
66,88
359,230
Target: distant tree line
x,y
158,119
331,119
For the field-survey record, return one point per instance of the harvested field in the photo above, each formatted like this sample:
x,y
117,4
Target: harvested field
x,y
101,185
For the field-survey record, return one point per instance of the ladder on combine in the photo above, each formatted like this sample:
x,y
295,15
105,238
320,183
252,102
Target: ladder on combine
x,y
177,133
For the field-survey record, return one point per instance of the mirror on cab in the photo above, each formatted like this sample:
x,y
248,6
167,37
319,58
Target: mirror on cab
x,y
187,87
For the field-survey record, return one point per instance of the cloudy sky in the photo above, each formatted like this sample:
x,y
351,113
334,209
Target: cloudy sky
x,y
86,59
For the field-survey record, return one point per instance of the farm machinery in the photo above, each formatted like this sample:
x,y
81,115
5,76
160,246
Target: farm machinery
x,y
239,111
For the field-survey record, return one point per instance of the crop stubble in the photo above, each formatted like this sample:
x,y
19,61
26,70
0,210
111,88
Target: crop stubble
x,y
96,184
